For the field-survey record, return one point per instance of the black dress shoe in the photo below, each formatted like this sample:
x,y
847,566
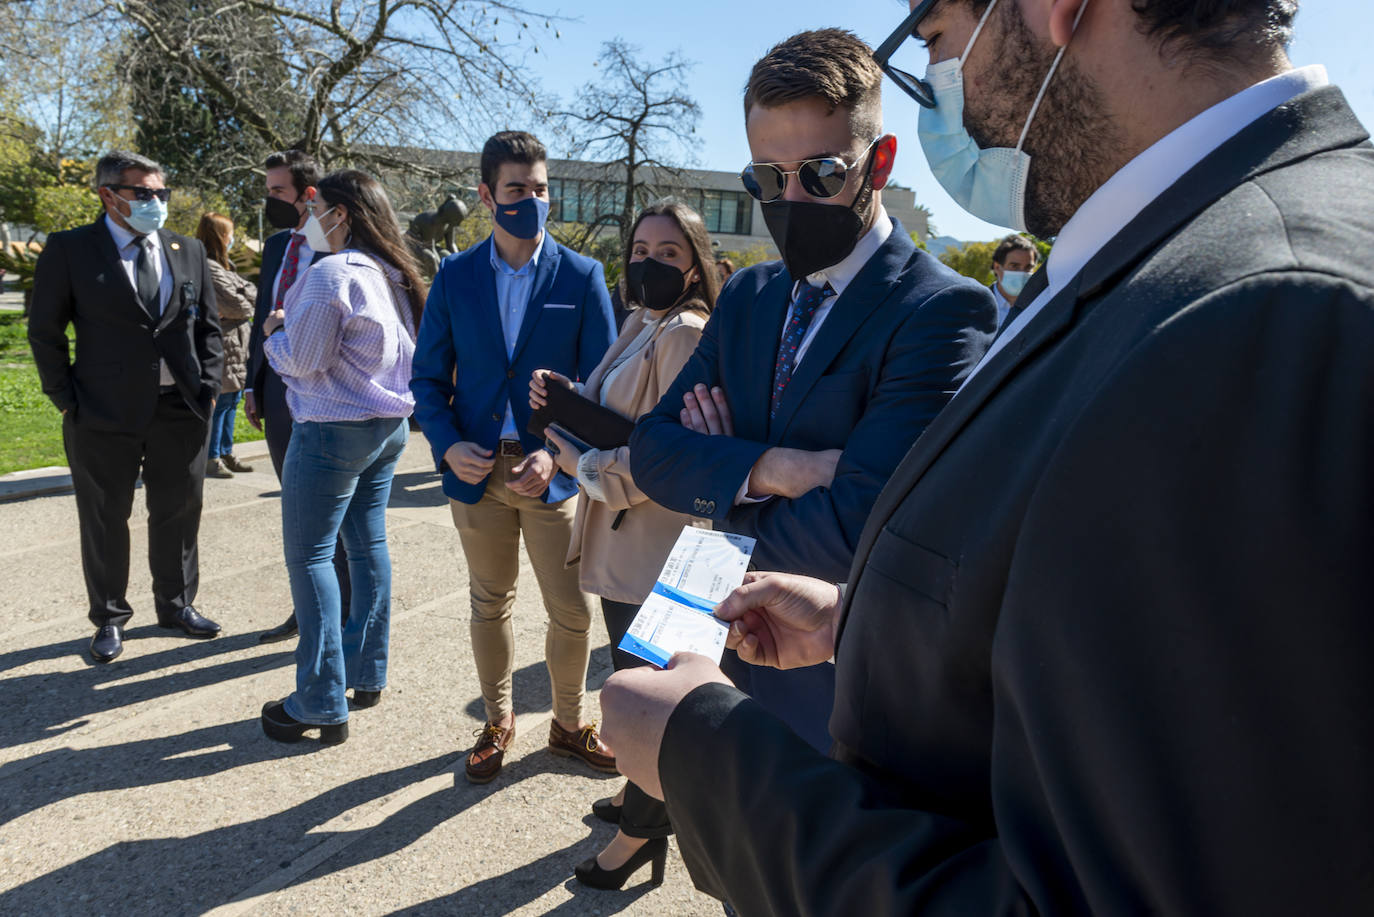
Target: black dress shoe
x,y
284,631
282,726
655,849
607,810
190,622
107,643
364,699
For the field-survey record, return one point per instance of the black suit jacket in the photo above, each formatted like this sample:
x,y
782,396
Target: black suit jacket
x,y
1108,636
893,349
113,382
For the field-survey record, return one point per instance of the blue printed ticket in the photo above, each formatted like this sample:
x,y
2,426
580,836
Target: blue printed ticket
x,y
701,570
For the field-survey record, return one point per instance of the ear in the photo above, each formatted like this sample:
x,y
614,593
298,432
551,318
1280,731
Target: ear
x,y
884,156
309,193
1063,18
485,196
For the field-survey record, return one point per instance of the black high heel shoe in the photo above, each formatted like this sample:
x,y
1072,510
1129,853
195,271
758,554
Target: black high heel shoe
x,y
282,726
607,810
655,850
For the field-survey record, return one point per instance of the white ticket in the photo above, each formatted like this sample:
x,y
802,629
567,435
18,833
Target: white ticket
x,y
701,570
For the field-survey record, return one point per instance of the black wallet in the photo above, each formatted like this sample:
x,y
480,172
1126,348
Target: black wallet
x,y
597,426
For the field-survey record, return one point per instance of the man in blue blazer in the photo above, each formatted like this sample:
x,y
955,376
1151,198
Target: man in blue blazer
x,y
512,304
822,368
291,178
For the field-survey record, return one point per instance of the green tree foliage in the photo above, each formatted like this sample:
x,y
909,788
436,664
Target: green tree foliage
x,y
972,259
65,207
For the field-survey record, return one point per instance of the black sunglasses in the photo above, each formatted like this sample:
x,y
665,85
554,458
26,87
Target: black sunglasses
x,y
913,86
821,177
145,194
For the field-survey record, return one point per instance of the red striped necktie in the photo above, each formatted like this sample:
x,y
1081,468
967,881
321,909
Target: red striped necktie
x,y
290,265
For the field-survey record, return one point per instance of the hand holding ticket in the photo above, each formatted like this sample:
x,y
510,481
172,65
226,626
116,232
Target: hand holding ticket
x,y
701,570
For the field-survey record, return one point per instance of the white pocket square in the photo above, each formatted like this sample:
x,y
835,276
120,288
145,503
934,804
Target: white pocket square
x,y
560,305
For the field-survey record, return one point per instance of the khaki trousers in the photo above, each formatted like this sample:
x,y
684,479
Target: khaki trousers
x,y
490,531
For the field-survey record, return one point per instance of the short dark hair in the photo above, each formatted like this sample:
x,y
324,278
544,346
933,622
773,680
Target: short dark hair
x,y
1218,27
305,171
510,146
1012,243
112,166
830,64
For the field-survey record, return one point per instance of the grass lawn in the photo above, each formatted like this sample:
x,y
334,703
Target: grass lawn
x,y
30,427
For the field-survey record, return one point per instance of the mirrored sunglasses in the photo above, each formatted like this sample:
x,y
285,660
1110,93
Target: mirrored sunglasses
x,y
822,177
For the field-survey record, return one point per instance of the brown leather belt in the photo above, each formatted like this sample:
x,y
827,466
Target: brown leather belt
x,y
511,448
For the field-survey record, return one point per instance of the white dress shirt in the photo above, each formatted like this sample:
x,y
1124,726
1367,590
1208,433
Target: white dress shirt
x,y
513,288
1003,304
127,244
1136,184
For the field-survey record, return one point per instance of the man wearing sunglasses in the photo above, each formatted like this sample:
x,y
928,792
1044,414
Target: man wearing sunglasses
x,y
1105,645
820,370
136,400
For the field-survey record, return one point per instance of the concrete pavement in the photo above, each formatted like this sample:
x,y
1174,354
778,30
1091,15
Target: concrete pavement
x,y
147,787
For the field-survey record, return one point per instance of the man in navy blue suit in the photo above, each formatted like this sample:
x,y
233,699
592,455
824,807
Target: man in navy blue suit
x,y
822,369
514,303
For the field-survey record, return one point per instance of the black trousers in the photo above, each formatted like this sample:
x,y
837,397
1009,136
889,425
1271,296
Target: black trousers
x,y
105,466
642,815
276,425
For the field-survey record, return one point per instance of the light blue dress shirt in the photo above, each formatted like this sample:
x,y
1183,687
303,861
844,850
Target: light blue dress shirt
x,y
513,288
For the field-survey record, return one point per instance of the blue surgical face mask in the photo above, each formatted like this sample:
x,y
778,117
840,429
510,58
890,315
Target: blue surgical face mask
x,y
146,216
1013,282
524,219
991,183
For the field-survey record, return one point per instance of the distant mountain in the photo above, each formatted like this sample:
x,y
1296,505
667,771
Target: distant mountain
x,y
937,244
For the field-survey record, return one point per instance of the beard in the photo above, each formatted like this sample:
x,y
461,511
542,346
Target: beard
x,y
1073,144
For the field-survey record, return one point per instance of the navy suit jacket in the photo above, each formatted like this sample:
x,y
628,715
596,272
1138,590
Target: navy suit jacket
x,y
894,348
567,328
273,251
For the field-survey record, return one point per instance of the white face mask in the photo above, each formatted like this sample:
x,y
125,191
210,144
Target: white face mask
x,y
1013,282
991,183
316,236
229,246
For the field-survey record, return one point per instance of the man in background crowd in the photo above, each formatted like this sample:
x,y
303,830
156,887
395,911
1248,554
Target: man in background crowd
x,y
1012,263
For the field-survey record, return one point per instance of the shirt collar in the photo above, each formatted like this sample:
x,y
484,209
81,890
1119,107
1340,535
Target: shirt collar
x,y
1123,196
841,275
499,264
123,238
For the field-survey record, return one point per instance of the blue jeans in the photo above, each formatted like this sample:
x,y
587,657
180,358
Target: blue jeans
x,y
336,481
222,424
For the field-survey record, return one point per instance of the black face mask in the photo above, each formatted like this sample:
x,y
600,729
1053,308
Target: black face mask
x,y
811,236
653,284
281,214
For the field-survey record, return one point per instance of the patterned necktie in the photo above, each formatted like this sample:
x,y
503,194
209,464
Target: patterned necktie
x,y
290,264
145,277
809,299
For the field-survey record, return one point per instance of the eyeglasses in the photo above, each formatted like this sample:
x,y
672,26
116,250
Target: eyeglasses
x,y
145,194
821,177
913,86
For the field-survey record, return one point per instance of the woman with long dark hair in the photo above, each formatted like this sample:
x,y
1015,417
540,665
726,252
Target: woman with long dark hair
x,y
621,536
343,343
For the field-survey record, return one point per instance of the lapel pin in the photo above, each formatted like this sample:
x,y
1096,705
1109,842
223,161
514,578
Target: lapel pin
x,y
176,246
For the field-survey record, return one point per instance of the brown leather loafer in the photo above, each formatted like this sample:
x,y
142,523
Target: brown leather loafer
x,y
585,743
484,761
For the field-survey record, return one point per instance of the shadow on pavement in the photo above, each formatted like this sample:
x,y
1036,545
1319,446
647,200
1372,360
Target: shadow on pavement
x,y
175,875
417,489
42,705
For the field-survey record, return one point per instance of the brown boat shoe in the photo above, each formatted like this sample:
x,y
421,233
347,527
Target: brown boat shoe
x,y
484,761
585,743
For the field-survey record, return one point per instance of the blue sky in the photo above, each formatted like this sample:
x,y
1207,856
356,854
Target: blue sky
x,y
725,37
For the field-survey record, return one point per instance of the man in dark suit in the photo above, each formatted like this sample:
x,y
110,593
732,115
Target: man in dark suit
x,y
137,398
291,178
517,302
826,365
1127,672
